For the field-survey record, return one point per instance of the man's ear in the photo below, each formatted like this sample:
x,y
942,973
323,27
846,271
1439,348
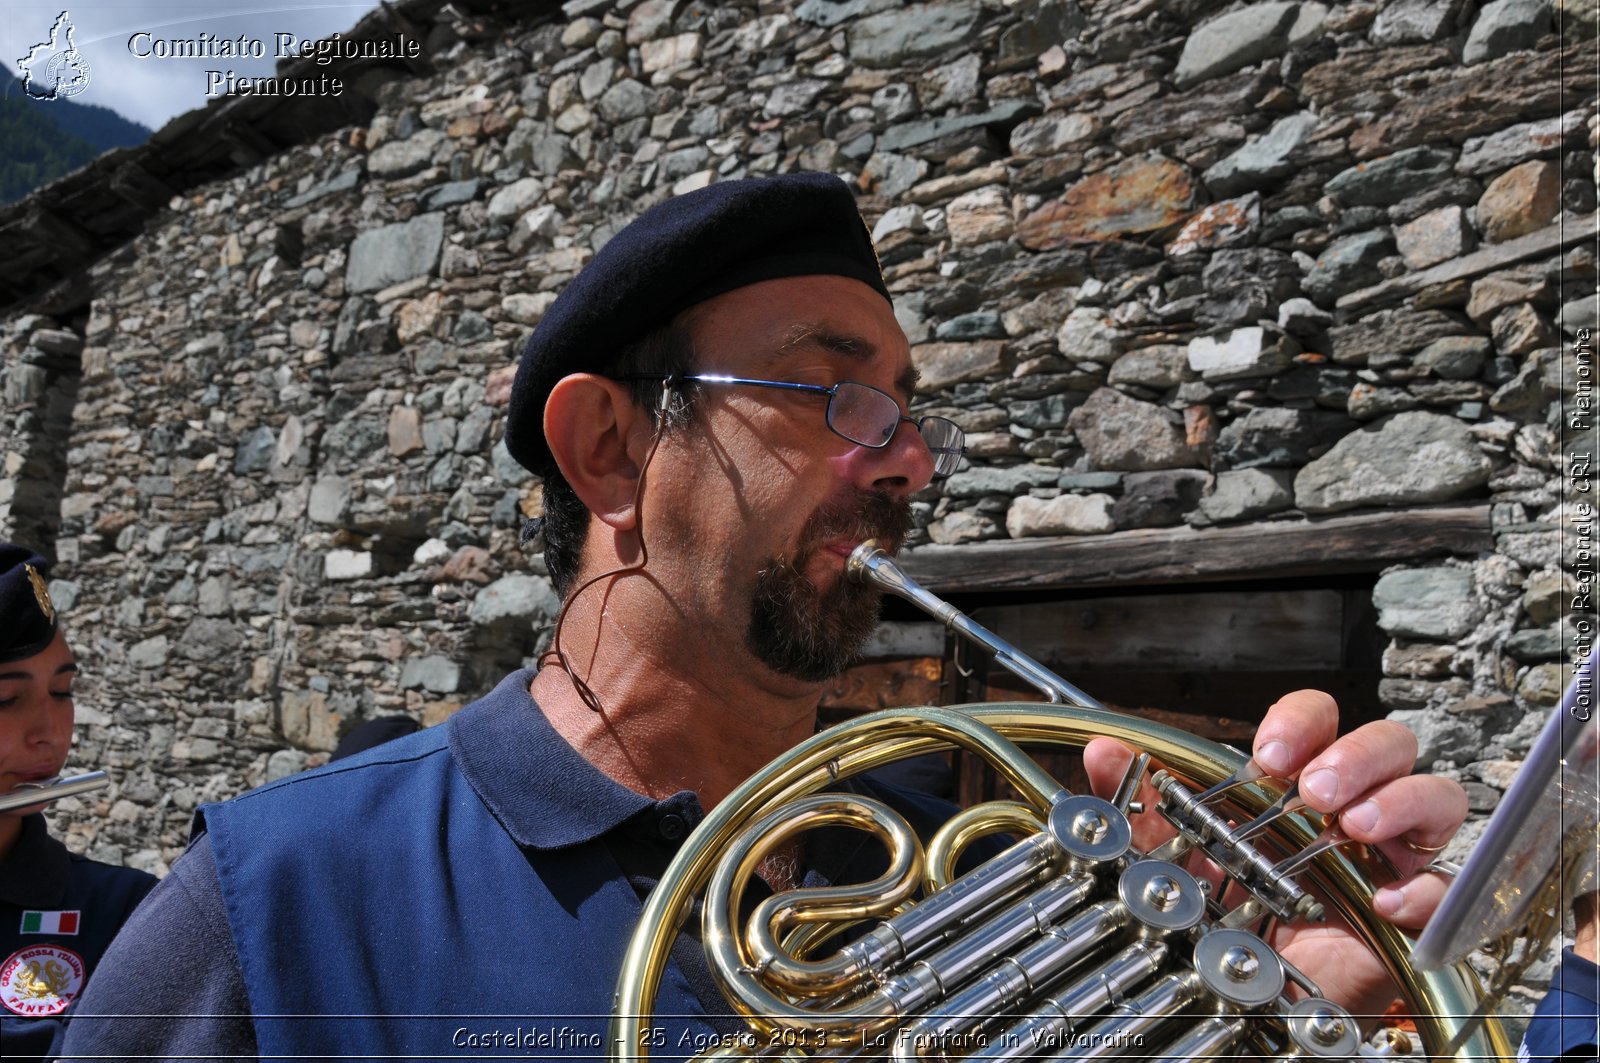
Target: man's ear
x,y
599,437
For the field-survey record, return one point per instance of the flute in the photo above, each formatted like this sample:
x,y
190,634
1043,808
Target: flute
x,y
37,793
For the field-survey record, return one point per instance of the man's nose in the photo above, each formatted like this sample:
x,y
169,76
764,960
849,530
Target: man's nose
x,y
902,467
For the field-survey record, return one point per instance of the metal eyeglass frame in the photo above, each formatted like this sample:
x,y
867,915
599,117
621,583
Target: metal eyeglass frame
x,y
942,455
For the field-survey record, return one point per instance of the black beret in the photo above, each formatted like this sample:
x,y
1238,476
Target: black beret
x,y
27,619
674,255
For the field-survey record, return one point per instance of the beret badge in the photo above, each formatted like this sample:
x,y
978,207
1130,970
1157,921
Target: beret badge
x,y
41,593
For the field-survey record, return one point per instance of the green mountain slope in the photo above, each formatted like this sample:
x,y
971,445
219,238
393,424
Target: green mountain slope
x,y
40,141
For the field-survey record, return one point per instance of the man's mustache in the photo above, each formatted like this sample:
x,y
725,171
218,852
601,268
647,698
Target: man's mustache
x,y
860,515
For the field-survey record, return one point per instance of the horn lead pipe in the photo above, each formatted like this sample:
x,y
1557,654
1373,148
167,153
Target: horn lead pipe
x,y
870,565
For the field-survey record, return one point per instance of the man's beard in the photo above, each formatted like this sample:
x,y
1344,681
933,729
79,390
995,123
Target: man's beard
x,y
812,635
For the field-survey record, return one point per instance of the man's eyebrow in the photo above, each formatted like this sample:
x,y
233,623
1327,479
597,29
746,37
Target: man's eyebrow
x,y
855,348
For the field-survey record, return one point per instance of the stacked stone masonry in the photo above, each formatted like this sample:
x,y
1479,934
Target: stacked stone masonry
x,y
1169,263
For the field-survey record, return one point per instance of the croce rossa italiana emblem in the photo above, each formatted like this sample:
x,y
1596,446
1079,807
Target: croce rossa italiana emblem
x,y
41,980
54,69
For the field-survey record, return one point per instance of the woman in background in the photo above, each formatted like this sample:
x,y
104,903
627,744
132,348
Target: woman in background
x,y
58,910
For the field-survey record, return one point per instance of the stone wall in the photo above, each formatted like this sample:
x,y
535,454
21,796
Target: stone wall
x,y
1171,264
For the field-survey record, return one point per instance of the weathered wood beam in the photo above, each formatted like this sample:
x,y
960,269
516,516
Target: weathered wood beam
x,y
1552,238
1262,550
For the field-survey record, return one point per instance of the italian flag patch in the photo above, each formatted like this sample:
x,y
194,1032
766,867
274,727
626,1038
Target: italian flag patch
x,y
50,922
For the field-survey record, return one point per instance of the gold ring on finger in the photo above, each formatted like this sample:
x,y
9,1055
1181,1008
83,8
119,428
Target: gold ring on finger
x,y
1424,850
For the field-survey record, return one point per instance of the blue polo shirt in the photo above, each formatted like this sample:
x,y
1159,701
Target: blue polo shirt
x,y
1564,1026
469,888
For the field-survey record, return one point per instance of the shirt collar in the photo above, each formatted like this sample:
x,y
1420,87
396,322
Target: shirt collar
x,y
35,871
542,791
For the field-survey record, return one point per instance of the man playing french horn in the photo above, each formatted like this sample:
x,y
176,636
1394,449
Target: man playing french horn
x,y
718,406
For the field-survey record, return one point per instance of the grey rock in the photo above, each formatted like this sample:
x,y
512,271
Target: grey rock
x,y
910,134
1581,313
944,364
1303,318
1257,350
891,38
1380,182
286,762
998,480
452,193
794,97
57,341
436,674
1455,357
1440,736
149,653
1243,494
1426,603
1538,381
1048,24
964,526
1434,237
1050,133
346,180
394,253
515,199
626,100
830,13
330,500
1089,335
1415,21
255,452
978,325
1159,499
1532,646
1501,150
515,599
1122,433
1349,263
1248,35
895,101
1164,366
1385,338
209,639
950,85
1278,435
25,384
402,158
1063,515
1244,285
1412,457
1091,481
1505,26
1040,414
894,174
1262,160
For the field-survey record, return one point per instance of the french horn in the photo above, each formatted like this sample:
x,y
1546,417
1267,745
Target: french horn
x,y
1070,943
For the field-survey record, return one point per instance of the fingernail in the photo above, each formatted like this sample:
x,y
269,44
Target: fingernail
x,y
1388,901
1274,757
1322,784
1363,817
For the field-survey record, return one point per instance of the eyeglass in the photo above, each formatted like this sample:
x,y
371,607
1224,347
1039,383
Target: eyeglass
x,y
860,413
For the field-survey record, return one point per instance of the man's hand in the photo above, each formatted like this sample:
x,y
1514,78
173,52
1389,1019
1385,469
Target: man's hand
x,y
1365,778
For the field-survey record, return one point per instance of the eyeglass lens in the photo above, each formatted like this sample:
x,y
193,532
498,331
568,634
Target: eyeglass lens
x,y
870,417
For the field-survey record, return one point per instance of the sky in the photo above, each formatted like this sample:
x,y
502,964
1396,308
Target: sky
x,y
153,90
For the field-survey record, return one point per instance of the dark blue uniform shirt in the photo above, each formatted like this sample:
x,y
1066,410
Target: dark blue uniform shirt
x,y
58,914
466,890
1564,1026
